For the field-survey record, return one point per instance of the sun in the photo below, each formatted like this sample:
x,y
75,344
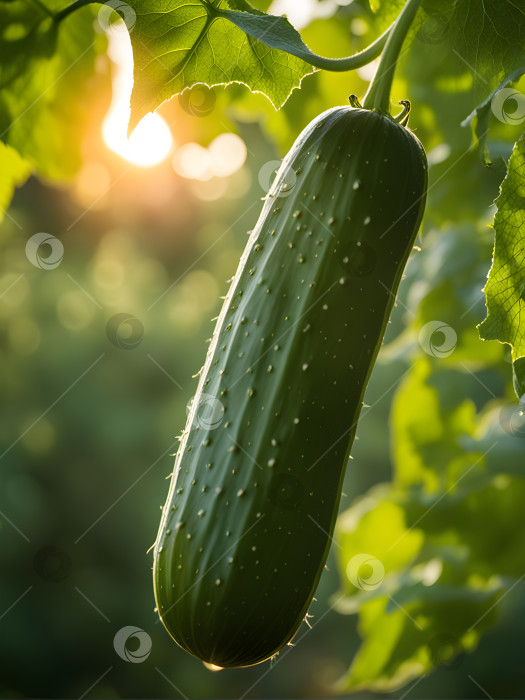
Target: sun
x,y
151,142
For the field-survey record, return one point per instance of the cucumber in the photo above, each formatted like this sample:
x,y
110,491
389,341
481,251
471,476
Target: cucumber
x,y
254,495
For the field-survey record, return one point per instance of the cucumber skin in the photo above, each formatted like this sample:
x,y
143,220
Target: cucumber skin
x,y
252,505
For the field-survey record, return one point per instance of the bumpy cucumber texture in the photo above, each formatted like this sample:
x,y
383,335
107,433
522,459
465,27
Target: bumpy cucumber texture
x,y
254,496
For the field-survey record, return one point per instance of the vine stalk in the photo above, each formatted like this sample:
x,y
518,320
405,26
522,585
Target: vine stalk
x,y
71,8
358,60
378,96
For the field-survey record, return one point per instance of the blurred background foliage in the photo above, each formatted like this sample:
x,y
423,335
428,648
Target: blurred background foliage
x,y
91,411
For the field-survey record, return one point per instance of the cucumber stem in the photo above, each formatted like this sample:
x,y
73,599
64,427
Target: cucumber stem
x,y
378,96
71,8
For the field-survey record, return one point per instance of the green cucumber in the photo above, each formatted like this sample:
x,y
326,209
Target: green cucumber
x,y
254,496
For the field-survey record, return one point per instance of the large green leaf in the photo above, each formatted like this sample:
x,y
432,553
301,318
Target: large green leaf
x,y
505,289
187,42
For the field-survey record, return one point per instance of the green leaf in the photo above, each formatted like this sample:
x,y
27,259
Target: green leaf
x,y
421,559
192,41
505,288
13,173
46,85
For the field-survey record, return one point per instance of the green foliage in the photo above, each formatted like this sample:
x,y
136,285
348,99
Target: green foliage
x,y
480,117
487,37
505,290
14,173
47,85
458,478
432,539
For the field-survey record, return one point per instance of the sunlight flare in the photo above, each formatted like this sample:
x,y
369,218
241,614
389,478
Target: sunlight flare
x,y
151,142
